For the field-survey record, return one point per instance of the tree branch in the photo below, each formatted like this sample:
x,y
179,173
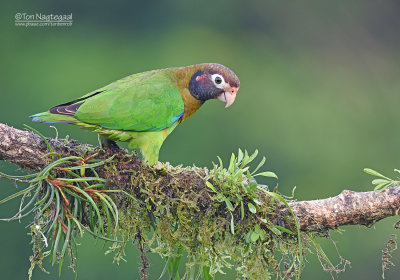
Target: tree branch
x,y
26,149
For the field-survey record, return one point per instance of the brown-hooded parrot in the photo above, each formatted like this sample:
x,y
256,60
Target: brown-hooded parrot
x,y
144,108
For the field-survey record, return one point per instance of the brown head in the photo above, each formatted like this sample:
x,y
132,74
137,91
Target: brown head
x,y
214,81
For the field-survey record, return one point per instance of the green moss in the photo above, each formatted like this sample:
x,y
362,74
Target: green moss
x,y
38,249
211,222
221,218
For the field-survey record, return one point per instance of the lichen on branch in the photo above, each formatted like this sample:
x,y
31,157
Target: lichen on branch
x,y
221,217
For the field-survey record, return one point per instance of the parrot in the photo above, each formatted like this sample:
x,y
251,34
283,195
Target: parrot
x,y
144,108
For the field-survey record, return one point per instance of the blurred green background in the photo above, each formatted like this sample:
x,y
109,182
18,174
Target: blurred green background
x,y
319,97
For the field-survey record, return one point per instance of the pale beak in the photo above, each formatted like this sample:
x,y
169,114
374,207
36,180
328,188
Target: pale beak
x,y
228,96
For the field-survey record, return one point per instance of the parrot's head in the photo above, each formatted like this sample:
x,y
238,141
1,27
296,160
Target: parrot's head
x,y
214,81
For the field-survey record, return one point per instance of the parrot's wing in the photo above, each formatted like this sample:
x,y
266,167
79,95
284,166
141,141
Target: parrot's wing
x,y
147,101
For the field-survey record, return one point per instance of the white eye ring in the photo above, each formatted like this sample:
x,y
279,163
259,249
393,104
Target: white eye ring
x,y
218,80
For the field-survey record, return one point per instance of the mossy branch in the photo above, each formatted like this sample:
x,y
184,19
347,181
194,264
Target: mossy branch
x,y
26,149
214,215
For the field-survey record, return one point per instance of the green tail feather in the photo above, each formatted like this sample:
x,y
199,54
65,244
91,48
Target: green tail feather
x,y
47,117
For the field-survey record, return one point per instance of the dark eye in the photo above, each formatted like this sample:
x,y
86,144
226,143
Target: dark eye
x,y
218,80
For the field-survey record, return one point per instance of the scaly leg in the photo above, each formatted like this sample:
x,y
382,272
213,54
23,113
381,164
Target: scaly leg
x,y
108,144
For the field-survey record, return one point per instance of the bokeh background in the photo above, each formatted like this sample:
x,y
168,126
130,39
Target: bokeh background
x,y
319,98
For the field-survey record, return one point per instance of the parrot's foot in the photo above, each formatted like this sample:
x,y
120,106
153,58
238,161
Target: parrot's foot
x,y
110,145
159,164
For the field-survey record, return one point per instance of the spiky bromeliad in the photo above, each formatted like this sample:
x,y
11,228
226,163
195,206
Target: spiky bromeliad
x,y
144,108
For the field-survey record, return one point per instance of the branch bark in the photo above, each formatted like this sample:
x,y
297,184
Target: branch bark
x,y
26,149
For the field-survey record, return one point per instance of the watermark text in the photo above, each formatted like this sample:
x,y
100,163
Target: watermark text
x,y
40,19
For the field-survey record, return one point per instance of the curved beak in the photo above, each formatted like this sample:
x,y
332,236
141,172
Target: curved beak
x,y
228,96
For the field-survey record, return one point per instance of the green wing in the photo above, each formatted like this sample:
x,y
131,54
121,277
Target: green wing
x,y
147,101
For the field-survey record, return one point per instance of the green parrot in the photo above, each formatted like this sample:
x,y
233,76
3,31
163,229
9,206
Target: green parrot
x,y
144,108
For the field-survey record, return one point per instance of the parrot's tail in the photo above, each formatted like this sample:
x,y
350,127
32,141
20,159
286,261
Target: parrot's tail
x,y
47,117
